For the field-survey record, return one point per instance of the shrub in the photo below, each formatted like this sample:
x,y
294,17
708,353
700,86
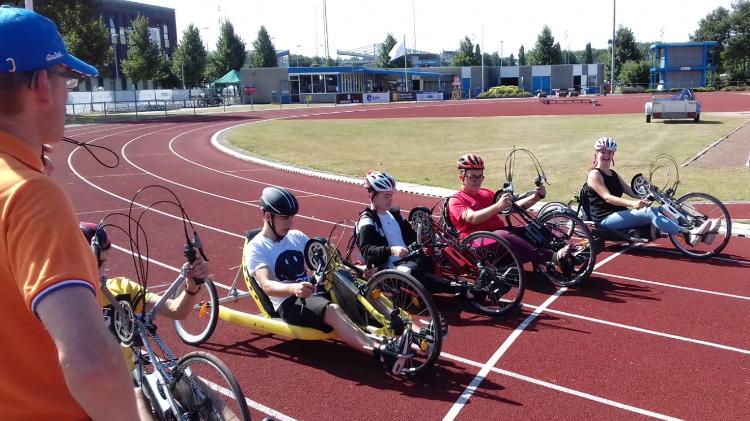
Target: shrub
x,y
504,92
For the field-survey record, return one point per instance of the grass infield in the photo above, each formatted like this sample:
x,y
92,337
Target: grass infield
x,y
424,150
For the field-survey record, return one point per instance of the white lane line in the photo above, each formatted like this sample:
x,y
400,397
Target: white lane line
x,y
251,403
171,148
563,389
647,331
185,186
101,211
678,253
124,199
477,380
115,175
702,291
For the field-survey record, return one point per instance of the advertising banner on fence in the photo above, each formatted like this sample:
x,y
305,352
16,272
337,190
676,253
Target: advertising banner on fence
x,y
429,96
377,97
404,96
348,98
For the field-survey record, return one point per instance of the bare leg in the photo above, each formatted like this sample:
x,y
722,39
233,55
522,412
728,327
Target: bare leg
x,y
349,332
143,411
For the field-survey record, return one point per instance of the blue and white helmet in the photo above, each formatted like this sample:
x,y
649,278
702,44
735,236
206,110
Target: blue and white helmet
x,y
605,144
379,182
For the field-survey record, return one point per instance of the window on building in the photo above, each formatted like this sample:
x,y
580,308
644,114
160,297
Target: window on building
x,y
331,85
305,84
123,41
166,36
317,84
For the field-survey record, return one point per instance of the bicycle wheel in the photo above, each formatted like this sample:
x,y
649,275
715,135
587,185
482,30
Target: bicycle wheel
x,y
205,389
552,207
200,323
390,290
698,207
563,229
497,284
422,215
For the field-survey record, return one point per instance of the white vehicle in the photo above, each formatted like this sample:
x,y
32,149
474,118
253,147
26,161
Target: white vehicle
x,y
682,105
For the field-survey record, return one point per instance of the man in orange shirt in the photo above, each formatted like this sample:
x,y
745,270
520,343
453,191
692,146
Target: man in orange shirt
x,y
60,362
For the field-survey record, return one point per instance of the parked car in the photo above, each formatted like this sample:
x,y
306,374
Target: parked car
x,y
681,105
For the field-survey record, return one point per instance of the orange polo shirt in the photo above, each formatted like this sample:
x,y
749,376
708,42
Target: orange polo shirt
x,y
41,251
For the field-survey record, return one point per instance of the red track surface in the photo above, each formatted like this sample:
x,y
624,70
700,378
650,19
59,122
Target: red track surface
x,y
651,331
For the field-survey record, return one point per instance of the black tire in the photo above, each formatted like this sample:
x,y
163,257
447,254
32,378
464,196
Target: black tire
x,y
697,117
698,207
563,229
205,389
648,118
423,215
390,289
200,324
498,283
553,206
316,253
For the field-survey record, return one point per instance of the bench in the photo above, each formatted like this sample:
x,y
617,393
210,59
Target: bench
x,y
574,100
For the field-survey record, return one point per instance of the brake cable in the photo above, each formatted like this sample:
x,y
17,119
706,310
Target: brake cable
x,y
510,163
88,146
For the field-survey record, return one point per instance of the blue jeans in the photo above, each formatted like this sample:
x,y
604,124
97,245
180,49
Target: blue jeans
x,y
633,218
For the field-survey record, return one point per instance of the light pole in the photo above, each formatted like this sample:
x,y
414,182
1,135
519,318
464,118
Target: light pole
x,y
612,68
298,47
482,56
206,28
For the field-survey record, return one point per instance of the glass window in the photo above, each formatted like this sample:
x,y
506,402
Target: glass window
x,y
331,85
165,31
317,84
305,84
123,41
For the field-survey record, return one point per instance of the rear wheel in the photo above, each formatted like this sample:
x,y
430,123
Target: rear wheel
x,y
200,323
697,117
648,118
406,303
698,207
561,230
497,284
205,389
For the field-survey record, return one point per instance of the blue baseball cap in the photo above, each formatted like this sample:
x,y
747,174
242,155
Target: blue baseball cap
x,y
31,42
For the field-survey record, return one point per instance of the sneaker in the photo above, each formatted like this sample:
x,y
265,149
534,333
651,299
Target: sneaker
x,y
393,350
715,225
561,260
702,229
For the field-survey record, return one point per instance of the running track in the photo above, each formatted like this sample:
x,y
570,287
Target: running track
x,y
651,335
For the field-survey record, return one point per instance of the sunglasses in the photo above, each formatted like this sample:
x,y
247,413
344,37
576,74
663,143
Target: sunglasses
x,y
473,177
71,78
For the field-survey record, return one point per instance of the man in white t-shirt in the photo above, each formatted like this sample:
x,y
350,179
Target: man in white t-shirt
x,y
275,259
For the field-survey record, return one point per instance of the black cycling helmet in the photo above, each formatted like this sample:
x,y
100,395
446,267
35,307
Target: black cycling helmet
x,y
89,229
278,201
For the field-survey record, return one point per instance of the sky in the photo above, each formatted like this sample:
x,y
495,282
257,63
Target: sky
x,y
439,25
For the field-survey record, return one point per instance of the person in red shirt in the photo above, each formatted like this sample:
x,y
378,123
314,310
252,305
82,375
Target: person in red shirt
x,y
473,209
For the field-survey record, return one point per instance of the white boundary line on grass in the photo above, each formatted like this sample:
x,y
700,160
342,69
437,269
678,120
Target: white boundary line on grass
x,y
486,367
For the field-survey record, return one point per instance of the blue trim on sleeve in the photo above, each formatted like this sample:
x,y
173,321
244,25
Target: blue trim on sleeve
x,y
56,287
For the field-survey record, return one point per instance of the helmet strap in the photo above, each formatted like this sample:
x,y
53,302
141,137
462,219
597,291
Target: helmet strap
x,y
273,228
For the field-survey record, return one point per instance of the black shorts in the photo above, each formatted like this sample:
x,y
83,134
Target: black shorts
x,y
310,314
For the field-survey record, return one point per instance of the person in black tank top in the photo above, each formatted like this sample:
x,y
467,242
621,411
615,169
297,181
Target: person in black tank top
x,y
609,209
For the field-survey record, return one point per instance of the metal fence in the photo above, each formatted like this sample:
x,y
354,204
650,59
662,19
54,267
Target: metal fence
x,y
142,101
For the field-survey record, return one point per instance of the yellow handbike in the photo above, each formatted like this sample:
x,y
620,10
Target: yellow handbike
x,y
383,306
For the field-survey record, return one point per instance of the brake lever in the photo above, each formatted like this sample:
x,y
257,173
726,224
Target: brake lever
x,y
189,252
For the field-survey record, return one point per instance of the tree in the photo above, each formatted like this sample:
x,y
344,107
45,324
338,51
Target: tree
x,y
626,49
634,73
190,57
588,56
264,54
715,27
545,51
143,54
230,52
165,76
477,55
511,60
465,54
330,62
383,59
521,56
737,53
85,34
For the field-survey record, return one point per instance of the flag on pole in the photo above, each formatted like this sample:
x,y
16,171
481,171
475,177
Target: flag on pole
x,y
398,50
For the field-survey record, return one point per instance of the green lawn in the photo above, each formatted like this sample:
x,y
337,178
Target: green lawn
x,y
424,150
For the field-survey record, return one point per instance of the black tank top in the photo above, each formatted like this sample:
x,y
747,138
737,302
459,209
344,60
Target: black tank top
x,y
599,208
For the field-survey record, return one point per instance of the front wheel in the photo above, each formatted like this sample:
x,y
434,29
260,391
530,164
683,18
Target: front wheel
x,y
205,389
200,323
406,303
496,285
697,208
564,230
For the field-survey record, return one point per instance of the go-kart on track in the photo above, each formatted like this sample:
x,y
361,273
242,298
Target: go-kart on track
x,y
651,334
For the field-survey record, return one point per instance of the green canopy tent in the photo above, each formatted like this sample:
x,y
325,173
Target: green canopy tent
x,y
231,78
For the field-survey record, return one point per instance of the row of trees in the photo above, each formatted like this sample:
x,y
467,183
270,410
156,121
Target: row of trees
x,y
731,29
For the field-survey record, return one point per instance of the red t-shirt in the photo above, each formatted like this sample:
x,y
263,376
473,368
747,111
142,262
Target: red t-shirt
x,y
477,201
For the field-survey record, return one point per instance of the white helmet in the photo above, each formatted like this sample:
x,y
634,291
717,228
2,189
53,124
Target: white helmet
x,y
605,143
379,182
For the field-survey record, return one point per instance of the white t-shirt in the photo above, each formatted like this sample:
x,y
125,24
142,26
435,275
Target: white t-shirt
x,y
391,230
285,259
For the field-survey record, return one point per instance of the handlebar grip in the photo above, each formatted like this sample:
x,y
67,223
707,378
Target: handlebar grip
x,y
189,252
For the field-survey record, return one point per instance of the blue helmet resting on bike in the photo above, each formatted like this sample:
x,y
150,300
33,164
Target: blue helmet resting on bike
x,y
90,230
278,202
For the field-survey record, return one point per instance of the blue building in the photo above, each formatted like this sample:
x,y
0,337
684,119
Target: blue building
x,y
682,64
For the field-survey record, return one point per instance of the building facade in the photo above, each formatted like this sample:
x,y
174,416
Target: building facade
x,y
682,64
118,16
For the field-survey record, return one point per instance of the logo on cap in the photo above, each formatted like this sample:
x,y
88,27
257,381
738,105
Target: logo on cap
x,y
54,56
